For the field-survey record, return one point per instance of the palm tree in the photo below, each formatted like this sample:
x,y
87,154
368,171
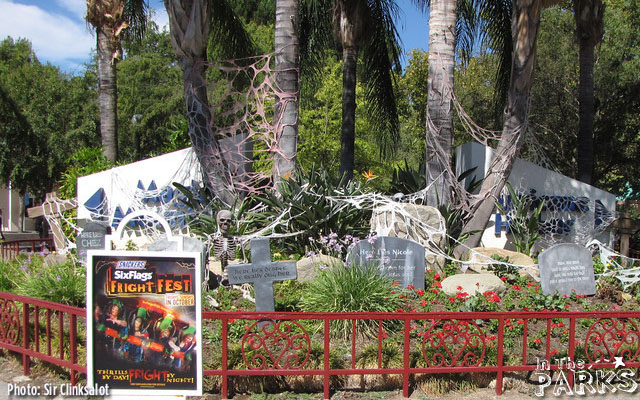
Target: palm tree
x,y
589,30
439,129
112,19
362,29
287,66
192,23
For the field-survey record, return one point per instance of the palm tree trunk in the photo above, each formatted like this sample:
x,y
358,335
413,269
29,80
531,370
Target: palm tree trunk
x,y
588,16
107,92
347,157
442,28
586,111
287,65
189,23
525,23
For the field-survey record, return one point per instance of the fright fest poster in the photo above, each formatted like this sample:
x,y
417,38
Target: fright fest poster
x,y
144,322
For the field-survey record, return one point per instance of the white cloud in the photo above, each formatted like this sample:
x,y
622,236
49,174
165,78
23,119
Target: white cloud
x,y
54,37
77,7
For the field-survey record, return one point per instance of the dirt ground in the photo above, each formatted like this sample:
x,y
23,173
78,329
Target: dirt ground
x,y
430,389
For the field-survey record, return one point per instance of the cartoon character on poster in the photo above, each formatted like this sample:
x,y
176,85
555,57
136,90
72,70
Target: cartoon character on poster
x,y
145,322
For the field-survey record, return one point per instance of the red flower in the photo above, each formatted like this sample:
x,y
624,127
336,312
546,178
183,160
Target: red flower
x,y
530,284
459,288
399,310
537,341
553,353
423,303
567,306
410,287
420,293
231,320
436,277
516,287
437,284
434,291
452,299
503,279
396,283
520,322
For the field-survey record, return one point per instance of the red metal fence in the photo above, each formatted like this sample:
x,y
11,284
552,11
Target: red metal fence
x,y
28,327
277,344
11,249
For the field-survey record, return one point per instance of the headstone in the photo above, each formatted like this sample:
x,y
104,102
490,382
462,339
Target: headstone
x,y
565,267
262,272
401,260
91,238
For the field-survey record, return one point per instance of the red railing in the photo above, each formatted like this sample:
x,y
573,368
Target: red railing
x,y
11,249
28,327
278,344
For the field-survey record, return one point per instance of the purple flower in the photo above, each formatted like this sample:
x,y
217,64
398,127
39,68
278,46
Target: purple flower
x,y
333,235
58,278
372,239
369,256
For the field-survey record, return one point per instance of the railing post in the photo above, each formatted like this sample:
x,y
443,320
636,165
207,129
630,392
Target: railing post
x,y
500,355
25,339
407,348
572,348
72,346
326,358
225,377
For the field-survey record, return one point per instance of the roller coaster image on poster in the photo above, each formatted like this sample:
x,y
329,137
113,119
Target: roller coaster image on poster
x,y
143,317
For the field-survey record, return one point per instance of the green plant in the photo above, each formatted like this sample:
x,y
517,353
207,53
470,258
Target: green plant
x,y
504,270
358,288
305,205
524,219
61,283
407,179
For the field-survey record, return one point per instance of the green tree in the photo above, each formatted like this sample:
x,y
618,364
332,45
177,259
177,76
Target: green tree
x,y
45,117
150,97
366,30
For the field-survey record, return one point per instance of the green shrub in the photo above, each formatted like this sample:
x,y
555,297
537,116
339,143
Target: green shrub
x,y
358,288
62,283
524,220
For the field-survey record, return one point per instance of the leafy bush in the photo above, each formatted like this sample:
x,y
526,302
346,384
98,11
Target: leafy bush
x,y
306,207
356,288
62,283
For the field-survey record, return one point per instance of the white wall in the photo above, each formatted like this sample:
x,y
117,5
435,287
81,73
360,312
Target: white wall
x,y
525,176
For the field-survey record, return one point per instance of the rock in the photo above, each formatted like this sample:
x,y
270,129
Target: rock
x,y
308,267
472,284
481,256
216,267
54,259
422,224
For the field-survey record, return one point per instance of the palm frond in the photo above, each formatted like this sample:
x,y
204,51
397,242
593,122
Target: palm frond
x,y
315,36
496,27
467,28
136,13
231,38
380,56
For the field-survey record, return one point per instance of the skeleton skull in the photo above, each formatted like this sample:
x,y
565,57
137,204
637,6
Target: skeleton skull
x,y
224,218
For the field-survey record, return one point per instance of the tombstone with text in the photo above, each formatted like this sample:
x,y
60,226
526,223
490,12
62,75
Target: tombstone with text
x,y
92,237
401,260
262,272
567,267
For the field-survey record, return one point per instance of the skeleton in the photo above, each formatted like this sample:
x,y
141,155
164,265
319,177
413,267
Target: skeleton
x,y
224,245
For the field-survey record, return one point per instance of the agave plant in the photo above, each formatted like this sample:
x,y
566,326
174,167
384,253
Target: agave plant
x,y
524,220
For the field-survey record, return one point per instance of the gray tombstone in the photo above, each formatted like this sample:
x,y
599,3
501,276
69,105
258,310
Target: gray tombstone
x,y
401,260
91,238
565,267
262,272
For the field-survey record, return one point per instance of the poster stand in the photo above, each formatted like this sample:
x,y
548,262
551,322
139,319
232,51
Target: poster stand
x,y
159,290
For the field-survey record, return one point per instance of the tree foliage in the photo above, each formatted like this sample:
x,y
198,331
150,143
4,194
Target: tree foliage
x,y
44,115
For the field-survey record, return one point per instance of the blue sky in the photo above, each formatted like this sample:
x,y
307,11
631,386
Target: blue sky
x,y
59,35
